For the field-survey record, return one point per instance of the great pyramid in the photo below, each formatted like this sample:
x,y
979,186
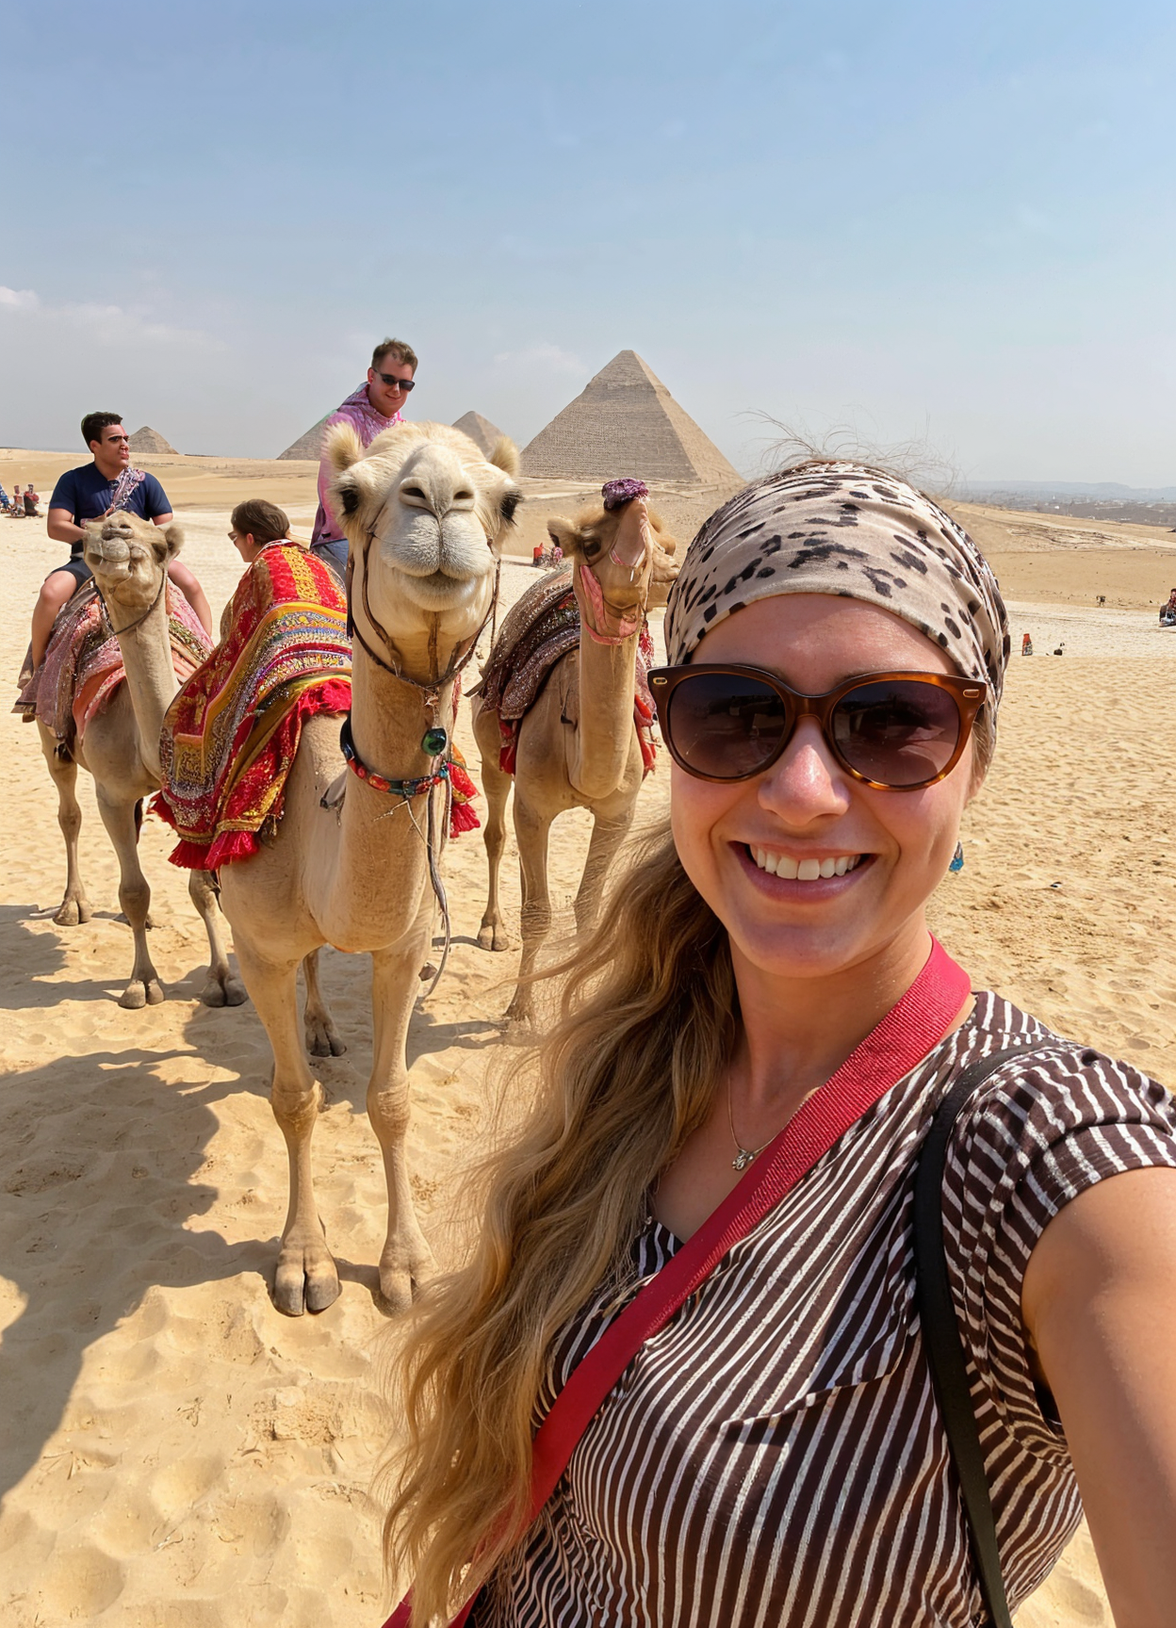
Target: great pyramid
x,y
309,445
149,440
626,423
479,430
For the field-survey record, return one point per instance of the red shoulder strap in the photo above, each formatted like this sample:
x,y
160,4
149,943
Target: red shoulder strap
x,y
888,1053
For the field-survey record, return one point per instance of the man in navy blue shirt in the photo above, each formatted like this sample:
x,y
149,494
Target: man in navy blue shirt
x,y
89,493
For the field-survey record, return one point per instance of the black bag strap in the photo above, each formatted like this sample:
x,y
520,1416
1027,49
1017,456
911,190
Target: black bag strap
x,y
941,1334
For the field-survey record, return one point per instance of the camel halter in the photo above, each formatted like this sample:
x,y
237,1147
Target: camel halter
x,y
131,626
436,739
628,618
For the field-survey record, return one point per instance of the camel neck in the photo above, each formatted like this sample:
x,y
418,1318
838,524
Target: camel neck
x,y
151,678
602,740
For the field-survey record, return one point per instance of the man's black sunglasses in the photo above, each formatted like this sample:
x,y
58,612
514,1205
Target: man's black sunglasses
x,y
394,383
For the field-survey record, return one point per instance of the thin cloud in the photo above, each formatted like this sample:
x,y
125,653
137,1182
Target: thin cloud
x,y
546,356
106,324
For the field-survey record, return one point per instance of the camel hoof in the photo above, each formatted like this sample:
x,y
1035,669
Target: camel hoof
x,y
302,1285
140,992
491,937
322,1038
399,1282
224,991
73,912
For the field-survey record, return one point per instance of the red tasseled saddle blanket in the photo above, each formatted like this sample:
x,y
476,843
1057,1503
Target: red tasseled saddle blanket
x,y
230,735
83,664
538,630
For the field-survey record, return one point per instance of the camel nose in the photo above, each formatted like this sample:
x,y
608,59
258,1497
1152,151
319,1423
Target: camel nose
x,y
437,487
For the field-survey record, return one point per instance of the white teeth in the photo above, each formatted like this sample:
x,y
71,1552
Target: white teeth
x,y
804,870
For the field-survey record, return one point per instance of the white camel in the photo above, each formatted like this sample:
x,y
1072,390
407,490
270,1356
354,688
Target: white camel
x,y
424,512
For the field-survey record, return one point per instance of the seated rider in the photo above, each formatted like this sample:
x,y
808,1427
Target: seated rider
x,y
254,525
1168,611
91,492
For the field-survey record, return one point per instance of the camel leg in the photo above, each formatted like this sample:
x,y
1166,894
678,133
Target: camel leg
x,y
607,837
531,832
406,1258
134,895
322,1037
492,934
223,988
306,1278
75,907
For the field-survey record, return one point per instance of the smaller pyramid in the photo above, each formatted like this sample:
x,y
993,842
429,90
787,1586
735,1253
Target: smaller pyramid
x,y
625,422
309,445
480,430
149,440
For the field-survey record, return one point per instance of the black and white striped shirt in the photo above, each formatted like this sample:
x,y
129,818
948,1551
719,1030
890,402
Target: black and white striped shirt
x,y
773,1458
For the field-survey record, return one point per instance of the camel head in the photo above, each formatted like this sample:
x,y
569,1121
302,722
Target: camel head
x,y
129,558
424,512
633,564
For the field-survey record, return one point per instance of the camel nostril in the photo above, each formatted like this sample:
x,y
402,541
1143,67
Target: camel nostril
x,y
414,492
463,496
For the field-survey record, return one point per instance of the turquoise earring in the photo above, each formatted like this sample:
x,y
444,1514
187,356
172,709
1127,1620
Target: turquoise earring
x,y
957,859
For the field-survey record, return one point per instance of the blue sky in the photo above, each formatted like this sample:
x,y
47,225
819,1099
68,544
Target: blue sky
x,y
952,220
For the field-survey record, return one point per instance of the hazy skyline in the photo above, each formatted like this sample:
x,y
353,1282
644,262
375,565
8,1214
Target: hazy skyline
x,y
954,223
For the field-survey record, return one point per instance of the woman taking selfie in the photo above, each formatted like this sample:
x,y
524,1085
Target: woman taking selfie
x,y
685,1378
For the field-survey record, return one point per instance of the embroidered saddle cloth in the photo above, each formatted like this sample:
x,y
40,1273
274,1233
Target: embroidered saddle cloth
x,y
539,630
83,665
230,735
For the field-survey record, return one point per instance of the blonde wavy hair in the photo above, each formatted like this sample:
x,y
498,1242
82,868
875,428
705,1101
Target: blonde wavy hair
x,y
646,1019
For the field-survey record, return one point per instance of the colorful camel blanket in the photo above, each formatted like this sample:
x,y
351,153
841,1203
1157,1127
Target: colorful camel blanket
x,y
230,735
83,664
539,629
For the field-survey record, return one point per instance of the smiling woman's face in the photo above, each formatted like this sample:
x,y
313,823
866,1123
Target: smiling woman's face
x,y
806,807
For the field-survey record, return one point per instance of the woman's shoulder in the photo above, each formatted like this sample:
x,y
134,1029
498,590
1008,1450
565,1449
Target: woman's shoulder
x,y
1053,1118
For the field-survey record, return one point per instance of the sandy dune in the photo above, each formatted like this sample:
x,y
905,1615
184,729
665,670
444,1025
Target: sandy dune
x,y
176,1453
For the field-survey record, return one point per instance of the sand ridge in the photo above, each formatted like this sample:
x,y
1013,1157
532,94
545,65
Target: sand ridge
x,y
179,1454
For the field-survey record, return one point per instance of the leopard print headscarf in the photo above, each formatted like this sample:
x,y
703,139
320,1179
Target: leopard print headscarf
x,y
841,528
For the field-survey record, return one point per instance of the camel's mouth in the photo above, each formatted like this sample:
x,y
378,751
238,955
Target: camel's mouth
x,y
437,590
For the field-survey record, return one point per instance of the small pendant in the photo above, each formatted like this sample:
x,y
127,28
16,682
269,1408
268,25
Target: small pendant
x,y
434,742
742,1159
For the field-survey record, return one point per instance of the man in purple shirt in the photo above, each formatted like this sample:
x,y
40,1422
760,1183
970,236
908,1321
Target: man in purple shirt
x,y
375,406
90,492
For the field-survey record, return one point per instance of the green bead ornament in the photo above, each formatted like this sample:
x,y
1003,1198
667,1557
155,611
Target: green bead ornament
x,y
434,742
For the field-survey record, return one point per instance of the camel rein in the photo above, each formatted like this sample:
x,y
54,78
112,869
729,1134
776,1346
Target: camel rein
x,y
117,632
436,740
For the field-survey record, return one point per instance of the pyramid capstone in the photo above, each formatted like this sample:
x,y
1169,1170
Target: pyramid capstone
x,y
625,422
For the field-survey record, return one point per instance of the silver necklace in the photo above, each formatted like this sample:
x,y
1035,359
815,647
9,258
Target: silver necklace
x,y
743,1156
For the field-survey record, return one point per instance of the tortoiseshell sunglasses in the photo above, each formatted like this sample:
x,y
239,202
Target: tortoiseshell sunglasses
x,y
893,731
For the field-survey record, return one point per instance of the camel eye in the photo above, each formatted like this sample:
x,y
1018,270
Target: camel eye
x,y
591,548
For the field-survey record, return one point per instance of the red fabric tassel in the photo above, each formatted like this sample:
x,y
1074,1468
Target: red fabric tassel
x,y
462,818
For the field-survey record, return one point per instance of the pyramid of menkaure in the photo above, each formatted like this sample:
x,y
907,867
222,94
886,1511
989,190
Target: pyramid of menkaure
x,y
480,430
149,440
309,445
625,422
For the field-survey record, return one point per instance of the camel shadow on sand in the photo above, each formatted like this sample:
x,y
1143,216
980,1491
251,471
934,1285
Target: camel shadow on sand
x,y
100,1189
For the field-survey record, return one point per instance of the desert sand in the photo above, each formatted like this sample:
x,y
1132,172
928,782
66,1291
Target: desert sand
x,y
175,1452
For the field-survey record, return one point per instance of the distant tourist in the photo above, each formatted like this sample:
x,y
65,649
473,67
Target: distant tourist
x,y
14,506
375,406
1168,611
4,500
91,492
31,499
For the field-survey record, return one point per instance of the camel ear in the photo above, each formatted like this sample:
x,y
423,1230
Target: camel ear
x,y
173,536
564,532
505,455
342,447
